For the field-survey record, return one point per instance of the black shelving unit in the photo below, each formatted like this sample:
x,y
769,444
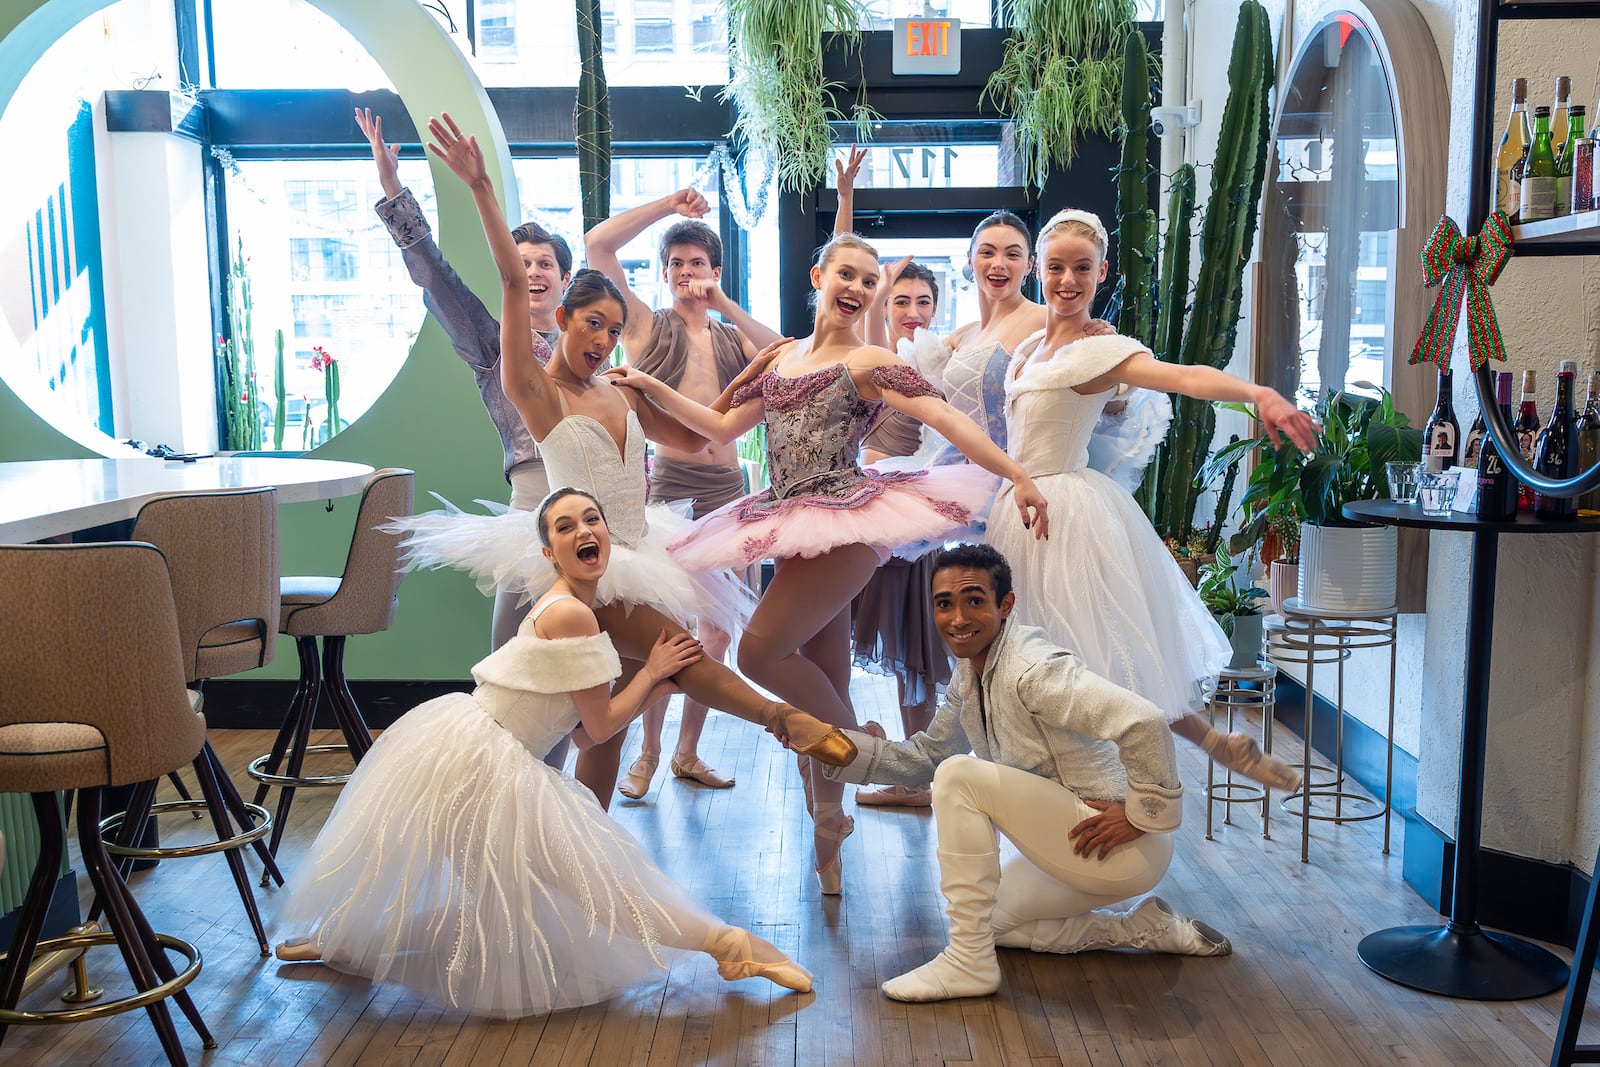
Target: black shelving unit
x,y
1574,235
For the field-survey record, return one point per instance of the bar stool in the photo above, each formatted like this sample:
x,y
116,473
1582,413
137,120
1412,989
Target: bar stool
x,y
93,698
1309,637
361,601
1240,691
222,552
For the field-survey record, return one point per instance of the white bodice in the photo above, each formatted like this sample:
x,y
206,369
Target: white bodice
x,y
580,452
974,380
1049,422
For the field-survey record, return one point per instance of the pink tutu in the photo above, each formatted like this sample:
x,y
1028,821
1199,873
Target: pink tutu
x,y
886,511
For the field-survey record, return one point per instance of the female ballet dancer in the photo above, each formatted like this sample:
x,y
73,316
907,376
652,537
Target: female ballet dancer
x,y
1109,589
828,523
592,437
458,865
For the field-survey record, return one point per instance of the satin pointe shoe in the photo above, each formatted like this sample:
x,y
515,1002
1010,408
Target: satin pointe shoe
x,y
696,770
830,823
731,949
896,796
828,743
299,950
1239,752
636,783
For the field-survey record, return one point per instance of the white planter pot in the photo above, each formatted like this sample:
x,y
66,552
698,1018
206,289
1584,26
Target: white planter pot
x,y
1283,582
1347,568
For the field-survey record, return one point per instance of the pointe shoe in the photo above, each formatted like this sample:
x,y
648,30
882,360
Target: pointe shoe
x,y
829,744
896,796
696,770
731,950
302,950
804,764
1167,931
830,823
636,783
1239,752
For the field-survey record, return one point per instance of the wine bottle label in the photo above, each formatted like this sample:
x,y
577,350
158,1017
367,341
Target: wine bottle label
x,y
1562,203
1469,454
1538,198
1441,446
1507,193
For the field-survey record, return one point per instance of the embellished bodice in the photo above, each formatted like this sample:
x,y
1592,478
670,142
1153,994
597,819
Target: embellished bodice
x,y
975,384
1049,421
581,452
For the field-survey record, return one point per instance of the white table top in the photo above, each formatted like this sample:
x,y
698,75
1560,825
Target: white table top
x,y
46,498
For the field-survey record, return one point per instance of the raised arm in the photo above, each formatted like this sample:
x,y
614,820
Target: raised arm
x,y
386,156
753,335
525,382
602,244
1280,417
601,712
845,171
718,427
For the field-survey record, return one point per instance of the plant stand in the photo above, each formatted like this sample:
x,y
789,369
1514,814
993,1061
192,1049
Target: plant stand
x,y
1241,691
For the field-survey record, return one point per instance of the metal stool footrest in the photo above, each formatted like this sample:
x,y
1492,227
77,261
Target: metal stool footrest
x,y
1291,803
258,771
261,823
18,1017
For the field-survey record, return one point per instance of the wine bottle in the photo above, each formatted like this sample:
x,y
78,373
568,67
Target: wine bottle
x,y
1513,148
1474,445
1527,428
1497,486
1589,441
1539,173
1564,160
1441,434
1555,454
1560,112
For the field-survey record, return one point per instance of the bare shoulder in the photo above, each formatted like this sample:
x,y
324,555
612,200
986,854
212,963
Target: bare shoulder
x,y
567,617
866,357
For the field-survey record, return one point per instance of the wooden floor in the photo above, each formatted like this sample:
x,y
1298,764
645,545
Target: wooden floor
x,y
1292,993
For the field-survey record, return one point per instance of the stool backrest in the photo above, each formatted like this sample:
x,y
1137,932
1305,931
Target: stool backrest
x,y
89,635
222,550
368,592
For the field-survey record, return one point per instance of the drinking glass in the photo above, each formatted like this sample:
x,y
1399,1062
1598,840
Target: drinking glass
x,y
1435,491
1403,476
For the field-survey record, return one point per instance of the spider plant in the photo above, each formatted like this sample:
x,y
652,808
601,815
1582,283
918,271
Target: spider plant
x,y
781,98
1061,76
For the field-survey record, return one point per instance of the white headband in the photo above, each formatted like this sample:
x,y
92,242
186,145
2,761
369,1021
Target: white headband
x,y
1072,214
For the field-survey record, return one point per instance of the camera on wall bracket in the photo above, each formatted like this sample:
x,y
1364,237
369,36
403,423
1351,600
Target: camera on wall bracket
x,y
1165,120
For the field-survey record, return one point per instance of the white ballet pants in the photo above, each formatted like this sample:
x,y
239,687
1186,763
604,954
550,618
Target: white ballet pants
x,y
529,486
973,798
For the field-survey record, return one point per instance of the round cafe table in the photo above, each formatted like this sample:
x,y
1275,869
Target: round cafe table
x,y
1460,959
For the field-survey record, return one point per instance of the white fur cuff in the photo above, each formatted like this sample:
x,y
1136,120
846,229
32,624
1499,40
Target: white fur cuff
x,y
1153,808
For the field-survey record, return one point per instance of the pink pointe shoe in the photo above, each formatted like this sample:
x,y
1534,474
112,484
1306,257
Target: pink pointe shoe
x,y
731,949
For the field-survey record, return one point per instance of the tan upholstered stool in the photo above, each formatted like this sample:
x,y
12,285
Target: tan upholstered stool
x,y
222,553
361,601
93,698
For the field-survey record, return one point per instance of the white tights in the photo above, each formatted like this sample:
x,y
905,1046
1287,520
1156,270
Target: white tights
x,y
973,798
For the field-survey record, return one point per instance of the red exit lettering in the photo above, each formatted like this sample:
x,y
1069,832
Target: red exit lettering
x,y
928,39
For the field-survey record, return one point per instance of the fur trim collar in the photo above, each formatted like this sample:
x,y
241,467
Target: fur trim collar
x,y
1081,361
545,665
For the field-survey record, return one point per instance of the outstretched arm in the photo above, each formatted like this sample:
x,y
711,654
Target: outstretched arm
x,y
526,384
1280,417
845,171
718,427
602,244
386,156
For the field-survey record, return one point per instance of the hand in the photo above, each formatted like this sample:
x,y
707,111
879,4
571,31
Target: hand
x,y
689,203
706,289
461,154
1098,328
846,171
1104,831
1033,506
630,377
763,361
386,156
671,655
891,274
1282,419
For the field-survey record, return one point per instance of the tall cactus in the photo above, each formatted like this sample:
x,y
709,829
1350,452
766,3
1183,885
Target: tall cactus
x,y
280,409
1136,222
1226,237
591,119
1173,304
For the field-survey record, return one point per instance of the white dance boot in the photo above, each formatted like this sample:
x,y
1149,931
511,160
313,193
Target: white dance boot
x,y
1151,925
967,967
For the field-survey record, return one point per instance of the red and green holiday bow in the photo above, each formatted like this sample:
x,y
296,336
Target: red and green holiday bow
x,y
1468,267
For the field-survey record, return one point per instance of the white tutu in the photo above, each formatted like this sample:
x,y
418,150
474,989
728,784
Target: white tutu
x,y
503,550
458,865
1127,434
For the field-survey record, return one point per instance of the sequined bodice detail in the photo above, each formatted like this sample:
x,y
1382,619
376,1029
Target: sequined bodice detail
x,y
580,452
975,384
815,424
1050,424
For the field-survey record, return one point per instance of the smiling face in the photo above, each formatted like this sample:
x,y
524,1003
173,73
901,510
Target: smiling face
x,y
966,613
589,334
686,263
845,284
1071,268
1000,261
911,307
545,280
578,542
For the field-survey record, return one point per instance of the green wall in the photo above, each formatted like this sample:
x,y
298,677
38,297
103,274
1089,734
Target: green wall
x,y
430,419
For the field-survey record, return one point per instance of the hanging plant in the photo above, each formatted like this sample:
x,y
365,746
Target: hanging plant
x,y
781,98
1060,76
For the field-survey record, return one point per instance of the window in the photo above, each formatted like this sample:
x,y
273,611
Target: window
x,y
288,44
655,35
323,259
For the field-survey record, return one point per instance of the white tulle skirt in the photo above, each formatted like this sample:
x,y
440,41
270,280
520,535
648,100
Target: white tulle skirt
x,y
1105,587
899,512
459,866
502,550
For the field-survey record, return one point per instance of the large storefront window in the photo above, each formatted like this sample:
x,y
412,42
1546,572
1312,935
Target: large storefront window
x,y
646,42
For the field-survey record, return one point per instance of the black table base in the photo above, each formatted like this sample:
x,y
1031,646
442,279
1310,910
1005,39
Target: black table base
x,y
1472,964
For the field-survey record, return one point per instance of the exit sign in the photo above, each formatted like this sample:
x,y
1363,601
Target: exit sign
x,y
927,46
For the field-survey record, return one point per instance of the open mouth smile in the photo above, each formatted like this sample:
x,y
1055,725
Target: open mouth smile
x,y
848,306
588,553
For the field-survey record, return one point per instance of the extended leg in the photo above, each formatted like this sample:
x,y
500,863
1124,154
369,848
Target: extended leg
x,y
636,783
686,761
